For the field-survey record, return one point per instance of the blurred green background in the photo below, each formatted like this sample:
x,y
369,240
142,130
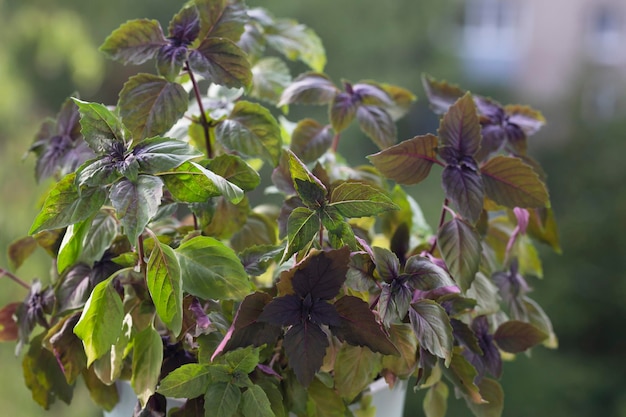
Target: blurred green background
x,y
503,48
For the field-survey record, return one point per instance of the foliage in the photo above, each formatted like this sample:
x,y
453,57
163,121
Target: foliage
x,y
170,273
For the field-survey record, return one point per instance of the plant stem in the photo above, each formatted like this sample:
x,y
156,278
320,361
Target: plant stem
x,y
142,261
205,122
335,144
321,235
12,277
442,219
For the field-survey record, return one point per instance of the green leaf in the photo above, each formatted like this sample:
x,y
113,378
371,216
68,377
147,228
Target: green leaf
x,y
188,381
492,392
150,105
235,170
43,375
353,199
270,76
378,125
485,293
542,226
165,285
19,250
158,154
135,41
230,191
99,237
355,368
309,188
441,94
517,336
302,226
147,359
105,396
324,401
65,205
296,41
102,129
221,62
243,360
461,248
211,270
538,318
462,374
339,231
310,140
432,326
98,172
100,323
403,337
309,88
136,203
510,182
224,218
408,162
436,400
72,244
221,400
251,130
255,403
189,184
221,19
460,128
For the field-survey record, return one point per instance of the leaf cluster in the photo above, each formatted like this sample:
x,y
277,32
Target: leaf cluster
x,y
203,250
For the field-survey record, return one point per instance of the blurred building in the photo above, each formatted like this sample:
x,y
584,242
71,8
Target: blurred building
x,y
549,49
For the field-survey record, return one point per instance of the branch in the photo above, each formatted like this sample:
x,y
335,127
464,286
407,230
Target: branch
x,y
205,122
14,278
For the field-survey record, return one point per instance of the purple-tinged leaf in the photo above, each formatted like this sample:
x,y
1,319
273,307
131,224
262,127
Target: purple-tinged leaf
x,y
354,199
461,248
490,357
513,288
408,162
251,130
423,274
20,250
310,189
322,312
247,329
309,88
185,26
102,129
222,62
539,318
517,336
321,274
378,125
221,18
305,345
456,305
371,94
431,325
8,326
466,337
512,183
310,140
395,299
283,311
200,317
359,326
342,111
527,118
441,94
460,127
387,263
401,99
134,42
67,347
170,61
156,155
404,339
463,186
136,203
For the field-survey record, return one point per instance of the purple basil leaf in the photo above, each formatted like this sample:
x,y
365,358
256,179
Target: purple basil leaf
x,y
309,88
202,320
436,293
378,125
423,274
461,248
431,325
455,304
221,62
322,312
134,42
490,357
170,60
527,119
283,311
155,407
387,263
394,301
185,26
305,345
247,330
517,336
359,326
322,274
465,336
441,95
342,111
463,186
512,287
460,127
371,94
